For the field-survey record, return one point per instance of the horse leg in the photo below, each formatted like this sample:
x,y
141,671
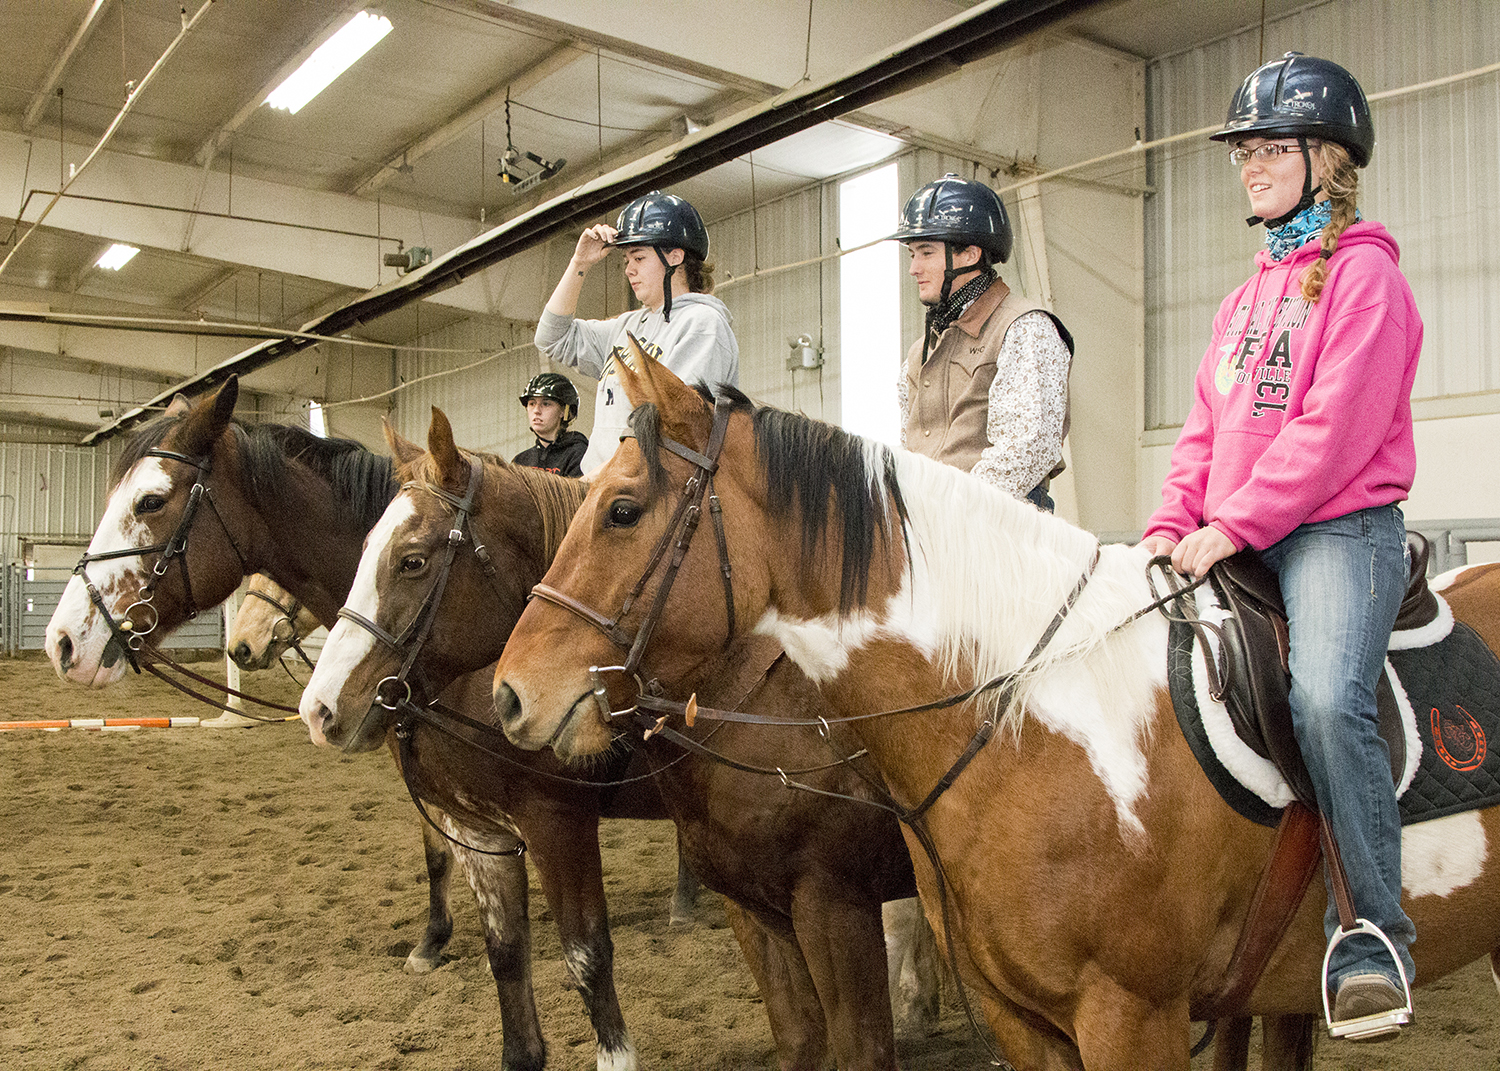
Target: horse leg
x,y
786,989
844,948
428,955
914,969
685,896
1117,1027
500,887
1287,1042
1232,1044
565,851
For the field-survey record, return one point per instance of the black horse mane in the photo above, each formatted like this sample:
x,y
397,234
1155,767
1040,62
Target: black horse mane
x,y
819,470
363,481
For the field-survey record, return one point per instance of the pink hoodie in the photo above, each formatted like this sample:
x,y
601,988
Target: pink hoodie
x,y
1302,412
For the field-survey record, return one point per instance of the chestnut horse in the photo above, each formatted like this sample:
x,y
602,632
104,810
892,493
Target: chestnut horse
x,y
270,622
200,502
804,875
1095,881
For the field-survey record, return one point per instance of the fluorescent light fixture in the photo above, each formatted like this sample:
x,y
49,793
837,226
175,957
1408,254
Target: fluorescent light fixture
x,y
332,58
116,256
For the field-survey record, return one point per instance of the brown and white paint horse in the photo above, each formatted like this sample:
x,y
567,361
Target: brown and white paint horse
x,y
278,500
1096,881
805,875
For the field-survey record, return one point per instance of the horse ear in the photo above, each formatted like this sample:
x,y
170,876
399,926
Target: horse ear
x,y
651,381
180,405
444,451
207,420
403,450
648,380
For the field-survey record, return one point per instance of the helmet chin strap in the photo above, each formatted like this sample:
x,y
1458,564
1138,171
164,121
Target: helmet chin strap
x,y
1309,193
666,284
949,274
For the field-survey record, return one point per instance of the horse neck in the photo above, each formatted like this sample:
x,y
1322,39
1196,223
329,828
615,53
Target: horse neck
x,y
315,544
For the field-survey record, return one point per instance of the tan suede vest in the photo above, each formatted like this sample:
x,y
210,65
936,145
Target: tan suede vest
x,y
948,398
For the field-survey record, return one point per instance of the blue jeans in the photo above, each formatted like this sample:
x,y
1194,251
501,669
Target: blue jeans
x,y
1342,581
1039,497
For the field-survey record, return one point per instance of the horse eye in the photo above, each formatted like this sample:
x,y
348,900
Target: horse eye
x,y
623,514
150,504
413,563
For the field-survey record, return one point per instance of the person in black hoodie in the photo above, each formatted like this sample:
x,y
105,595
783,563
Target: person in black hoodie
x,y
551,403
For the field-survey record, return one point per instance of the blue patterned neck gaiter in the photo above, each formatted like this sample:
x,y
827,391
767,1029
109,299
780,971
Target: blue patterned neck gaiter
x,y
1305,225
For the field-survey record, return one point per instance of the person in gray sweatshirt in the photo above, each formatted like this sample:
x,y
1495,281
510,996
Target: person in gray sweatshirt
x,y
680,322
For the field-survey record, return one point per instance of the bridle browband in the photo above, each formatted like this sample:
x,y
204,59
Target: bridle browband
x,y
676,537
125,634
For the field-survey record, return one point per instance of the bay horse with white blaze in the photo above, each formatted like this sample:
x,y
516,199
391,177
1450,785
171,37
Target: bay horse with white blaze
x,y
201,501
1096,881
805,875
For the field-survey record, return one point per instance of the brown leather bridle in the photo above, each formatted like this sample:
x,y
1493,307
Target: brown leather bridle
x,y
125,635
677,537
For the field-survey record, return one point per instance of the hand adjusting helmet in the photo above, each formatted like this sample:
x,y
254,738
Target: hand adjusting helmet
x,y
1302,97
957,212
553,387
663,221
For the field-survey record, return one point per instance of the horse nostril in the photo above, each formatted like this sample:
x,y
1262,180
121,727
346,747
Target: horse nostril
x,y
507,706
65,652
241,654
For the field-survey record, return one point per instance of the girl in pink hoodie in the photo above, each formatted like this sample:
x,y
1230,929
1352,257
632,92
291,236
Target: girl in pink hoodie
x,y
1299,446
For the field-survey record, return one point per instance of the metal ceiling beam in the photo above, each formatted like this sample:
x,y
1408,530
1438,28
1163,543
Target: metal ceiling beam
x,y
541,26
60,66
977,33
564,55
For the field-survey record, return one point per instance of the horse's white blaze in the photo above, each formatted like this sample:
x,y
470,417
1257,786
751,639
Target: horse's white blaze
x,y
348,645
116,578
1444,855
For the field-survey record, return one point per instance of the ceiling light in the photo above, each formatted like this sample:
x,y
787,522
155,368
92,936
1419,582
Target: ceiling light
x,y
332,58
116,256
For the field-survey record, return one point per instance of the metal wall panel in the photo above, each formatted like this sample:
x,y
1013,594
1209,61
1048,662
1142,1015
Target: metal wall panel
x,y
51,490
1434,183
773,301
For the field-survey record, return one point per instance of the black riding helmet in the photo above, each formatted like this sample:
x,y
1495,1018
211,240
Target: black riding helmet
x,y
957,212
663,221
1302,97
553,387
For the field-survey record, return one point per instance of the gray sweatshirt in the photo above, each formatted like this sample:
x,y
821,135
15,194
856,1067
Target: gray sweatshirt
x,y
697,346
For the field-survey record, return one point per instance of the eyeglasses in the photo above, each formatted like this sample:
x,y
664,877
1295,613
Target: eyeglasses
x,y
1262,154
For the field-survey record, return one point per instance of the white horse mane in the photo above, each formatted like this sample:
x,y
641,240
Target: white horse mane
x,y
987,575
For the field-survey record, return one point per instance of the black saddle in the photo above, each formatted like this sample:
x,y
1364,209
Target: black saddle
x,y
1253,667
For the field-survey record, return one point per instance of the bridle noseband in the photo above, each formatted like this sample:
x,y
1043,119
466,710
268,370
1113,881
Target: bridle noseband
x,y
677,537
288,619
126,635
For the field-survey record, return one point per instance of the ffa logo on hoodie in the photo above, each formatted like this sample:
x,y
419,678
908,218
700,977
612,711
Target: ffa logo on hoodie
x,y
1269,326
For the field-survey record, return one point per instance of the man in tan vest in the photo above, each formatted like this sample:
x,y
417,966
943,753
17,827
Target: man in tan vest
x,y
985,388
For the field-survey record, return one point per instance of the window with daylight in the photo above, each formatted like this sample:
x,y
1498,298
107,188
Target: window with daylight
x,y
317,422
869,304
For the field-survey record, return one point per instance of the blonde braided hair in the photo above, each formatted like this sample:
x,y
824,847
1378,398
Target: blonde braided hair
x,y
1341,183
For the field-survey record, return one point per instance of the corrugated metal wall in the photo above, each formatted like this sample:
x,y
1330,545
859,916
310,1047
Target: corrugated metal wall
x,y
1434,182
772,302
481,402
50,491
